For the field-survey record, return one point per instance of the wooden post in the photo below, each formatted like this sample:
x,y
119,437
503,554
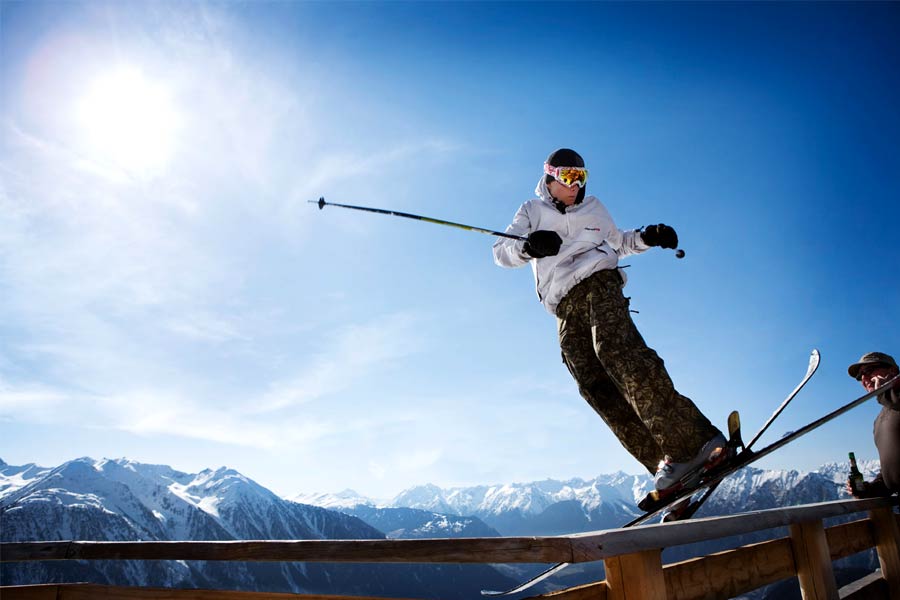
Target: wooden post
x,y
887,544
813,561
636,576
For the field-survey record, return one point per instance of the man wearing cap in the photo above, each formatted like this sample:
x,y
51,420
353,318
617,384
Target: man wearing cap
x,y
873,370
573,247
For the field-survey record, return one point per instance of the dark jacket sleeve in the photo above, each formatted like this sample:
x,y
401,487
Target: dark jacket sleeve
x,y
876,488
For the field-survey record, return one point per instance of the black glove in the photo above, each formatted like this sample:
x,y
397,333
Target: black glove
x,y
660,235
542,243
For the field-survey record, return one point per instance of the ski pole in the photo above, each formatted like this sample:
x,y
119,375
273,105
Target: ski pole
x,y
679,253
322,204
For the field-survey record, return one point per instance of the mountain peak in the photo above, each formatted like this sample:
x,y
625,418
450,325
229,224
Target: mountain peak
x,y
344,499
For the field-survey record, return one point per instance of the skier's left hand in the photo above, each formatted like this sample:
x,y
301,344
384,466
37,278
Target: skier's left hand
x,y
660,235
861,494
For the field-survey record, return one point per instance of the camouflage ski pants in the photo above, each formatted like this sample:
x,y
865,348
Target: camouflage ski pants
x,y
622,379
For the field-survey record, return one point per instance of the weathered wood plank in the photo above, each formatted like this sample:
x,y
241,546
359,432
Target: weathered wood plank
x,y
888,546
637,576
614,542
105,592
871,587
732,572
813,560
849,538
29,592
473,550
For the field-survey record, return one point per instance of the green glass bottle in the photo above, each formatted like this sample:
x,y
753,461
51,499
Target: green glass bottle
x,y
857,482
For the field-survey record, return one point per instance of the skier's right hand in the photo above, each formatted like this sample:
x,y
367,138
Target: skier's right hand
x,y
542,243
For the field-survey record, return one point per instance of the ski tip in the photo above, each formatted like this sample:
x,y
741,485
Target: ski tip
x,y
518,588
531,582
734,423
815,357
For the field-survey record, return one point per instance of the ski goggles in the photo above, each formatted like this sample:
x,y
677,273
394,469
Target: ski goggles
x,y
568,176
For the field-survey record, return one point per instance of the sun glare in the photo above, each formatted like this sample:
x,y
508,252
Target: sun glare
x,y
129,121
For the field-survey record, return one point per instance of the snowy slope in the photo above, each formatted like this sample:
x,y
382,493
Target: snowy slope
x,y
12,478
345,499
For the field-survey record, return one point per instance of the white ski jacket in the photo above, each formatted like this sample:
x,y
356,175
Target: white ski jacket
x,y
591,242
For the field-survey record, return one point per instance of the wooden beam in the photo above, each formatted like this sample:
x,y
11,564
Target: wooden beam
x,y
849,538
886,543
813,560
474,550
871,587
732,572
29,592
637,576
614,542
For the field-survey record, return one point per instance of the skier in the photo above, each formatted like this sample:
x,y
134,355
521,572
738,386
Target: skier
x,y
873,370
574,246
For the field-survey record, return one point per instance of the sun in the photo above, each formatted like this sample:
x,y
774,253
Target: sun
x,y
128,120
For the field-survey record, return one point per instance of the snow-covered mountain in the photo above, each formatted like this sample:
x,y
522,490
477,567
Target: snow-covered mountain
x,y
13,478
553,507
527,498
344,499
538,508
87,499
610,500
412,523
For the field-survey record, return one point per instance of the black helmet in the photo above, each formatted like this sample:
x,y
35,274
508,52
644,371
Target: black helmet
x,y
565,157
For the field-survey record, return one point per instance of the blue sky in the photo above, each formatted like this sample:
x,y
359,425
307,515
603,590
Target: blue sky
x,y
168,294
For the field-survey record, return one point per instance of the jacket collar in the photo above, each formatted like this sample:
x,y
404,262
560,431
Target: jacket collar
x,y
543,192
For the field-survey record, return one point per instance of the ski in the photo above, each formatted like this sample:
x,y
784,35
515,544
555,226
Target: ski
x,y
749,456
653,504
692,507
814,358
734,438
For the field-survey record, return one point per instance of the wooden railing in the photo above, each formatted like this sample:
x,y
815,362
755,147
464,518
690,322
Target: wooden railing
x,y
632,557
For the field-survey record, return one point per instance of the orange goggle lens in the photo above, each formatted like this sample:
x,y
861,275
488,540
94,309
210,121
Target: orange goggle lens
x,y
568,176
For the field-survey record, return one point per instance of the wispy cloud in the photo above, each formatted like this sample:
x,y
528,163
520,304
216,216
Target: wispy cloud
x,y
386,161
355,351
155,413
173,408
